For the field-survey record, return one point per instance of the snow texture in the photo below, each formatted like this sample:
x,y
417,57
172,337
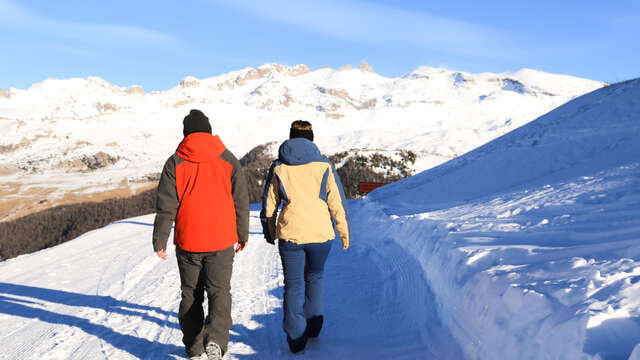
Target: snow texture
x,y
531,243
525,248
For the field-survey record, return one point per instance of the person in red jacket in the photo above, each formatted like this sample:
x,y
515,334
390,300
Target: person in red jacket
x,y
202,188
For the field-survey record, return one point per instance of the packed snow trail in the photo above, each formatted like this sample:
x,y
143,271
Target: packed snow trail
x,y
106,295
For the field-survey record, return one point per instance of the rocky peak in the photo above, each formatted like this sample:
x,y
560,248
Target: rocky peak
x,y
345,68
270,70
365,67
299,70
189,81
134,90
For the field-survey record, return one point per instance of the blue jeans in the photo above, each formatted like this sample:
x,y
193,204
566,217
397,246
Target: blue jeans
x,y
303,266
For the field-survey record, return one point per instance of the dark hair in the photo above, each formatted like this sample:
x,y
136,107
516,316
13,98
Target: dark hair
x,y
301,129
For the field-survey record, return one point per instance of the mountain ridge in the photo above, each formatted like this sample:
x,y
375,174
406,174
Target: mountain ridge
x,y
58,123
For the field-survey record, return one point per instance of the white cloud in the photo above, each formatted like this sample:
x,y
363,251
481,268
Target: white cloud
x,y
373,23
16,16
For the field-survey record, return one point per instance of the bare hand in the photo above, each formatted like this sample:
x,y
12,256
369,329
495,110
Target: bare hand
x,y
241,246
162,254
345,246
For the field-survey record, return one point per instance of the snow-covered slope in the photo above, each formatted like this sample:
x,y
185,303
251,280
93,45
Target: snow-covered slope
x,y
82,136
531,243
544,265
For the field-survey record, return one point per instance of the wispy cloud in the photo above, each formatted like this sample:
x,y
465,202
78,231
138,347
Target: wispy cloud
x,y
17,16
373,23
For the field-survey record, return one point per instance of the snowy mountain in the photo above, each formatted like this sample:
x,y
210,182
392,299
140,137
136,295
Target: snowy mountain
x,y
63,141
537,258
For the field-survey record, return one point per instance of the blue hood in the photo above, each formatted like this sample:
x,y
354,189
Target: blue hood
x,y
299,151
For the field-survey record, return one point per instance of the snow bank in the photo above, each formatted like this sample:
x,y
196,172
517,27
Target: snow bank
x,y
530,243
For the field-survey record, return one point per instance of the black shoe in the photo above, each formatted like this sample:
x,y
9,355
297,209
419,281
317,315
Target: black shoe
x,y
297,345
314,325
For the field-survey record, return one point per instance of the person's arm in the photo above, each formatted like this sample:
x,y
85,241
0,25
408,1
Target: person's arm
x,y
166,208
337,204
240,193
270,204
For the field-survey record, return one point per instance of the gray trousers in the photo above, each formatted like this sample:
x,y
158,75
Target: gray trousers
x,y
199,273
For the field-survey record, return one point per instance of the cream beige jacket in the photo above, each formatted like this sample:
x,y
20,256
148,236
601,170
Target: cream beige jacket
x,y
306,184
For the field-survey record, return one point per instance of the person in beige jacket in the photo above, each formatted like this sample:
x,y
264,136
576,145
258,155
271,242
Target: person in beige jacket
x,y
308,186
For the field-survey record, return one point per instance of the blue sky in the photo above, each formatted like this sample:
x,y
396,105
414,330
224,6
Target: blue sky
x,y
157,43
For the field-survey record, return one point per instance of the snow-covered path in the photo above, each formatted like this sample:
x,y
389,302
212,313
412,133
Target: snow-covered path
x,y
106,295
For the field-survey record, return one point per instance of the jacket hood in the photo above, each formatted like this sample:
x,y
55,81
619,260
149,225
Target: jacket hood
x,y
200,147
299,151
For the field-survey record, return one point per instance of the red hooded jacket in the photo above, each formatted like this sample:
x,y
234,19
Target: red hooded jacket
x,y
202,188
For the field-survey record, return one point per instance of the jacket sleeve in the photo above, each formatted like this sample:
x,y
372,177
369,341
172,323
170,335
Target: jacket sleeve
x,y
337,205
270,204
240,193
166,205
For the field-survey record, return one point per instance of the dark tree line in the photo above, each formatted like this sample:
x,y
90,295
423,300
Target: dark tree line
x,y
372,168
356,168
62,223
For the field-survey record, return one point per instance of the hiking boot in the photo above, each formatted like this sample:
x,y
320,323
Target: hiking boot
x,y
202,356
297,345
213,351
314,325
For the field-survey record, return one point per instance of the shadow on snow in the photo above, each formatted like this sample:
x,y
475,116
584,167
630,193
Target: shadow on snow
x,y
377,304
139,347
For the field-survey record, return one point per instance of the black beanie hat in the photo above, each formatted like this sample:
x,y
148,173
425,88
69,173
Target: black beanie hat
x,y
196,121
301,129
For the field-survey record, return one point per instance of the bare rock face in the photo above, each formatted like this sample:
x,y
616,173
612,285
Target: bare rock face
x,y
4,93
7,148
299,70
268,70
134,90
253,74
98,160
189,82
345,68
90,162
365,67
13,147
106,107
152,177
369,104
341,93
